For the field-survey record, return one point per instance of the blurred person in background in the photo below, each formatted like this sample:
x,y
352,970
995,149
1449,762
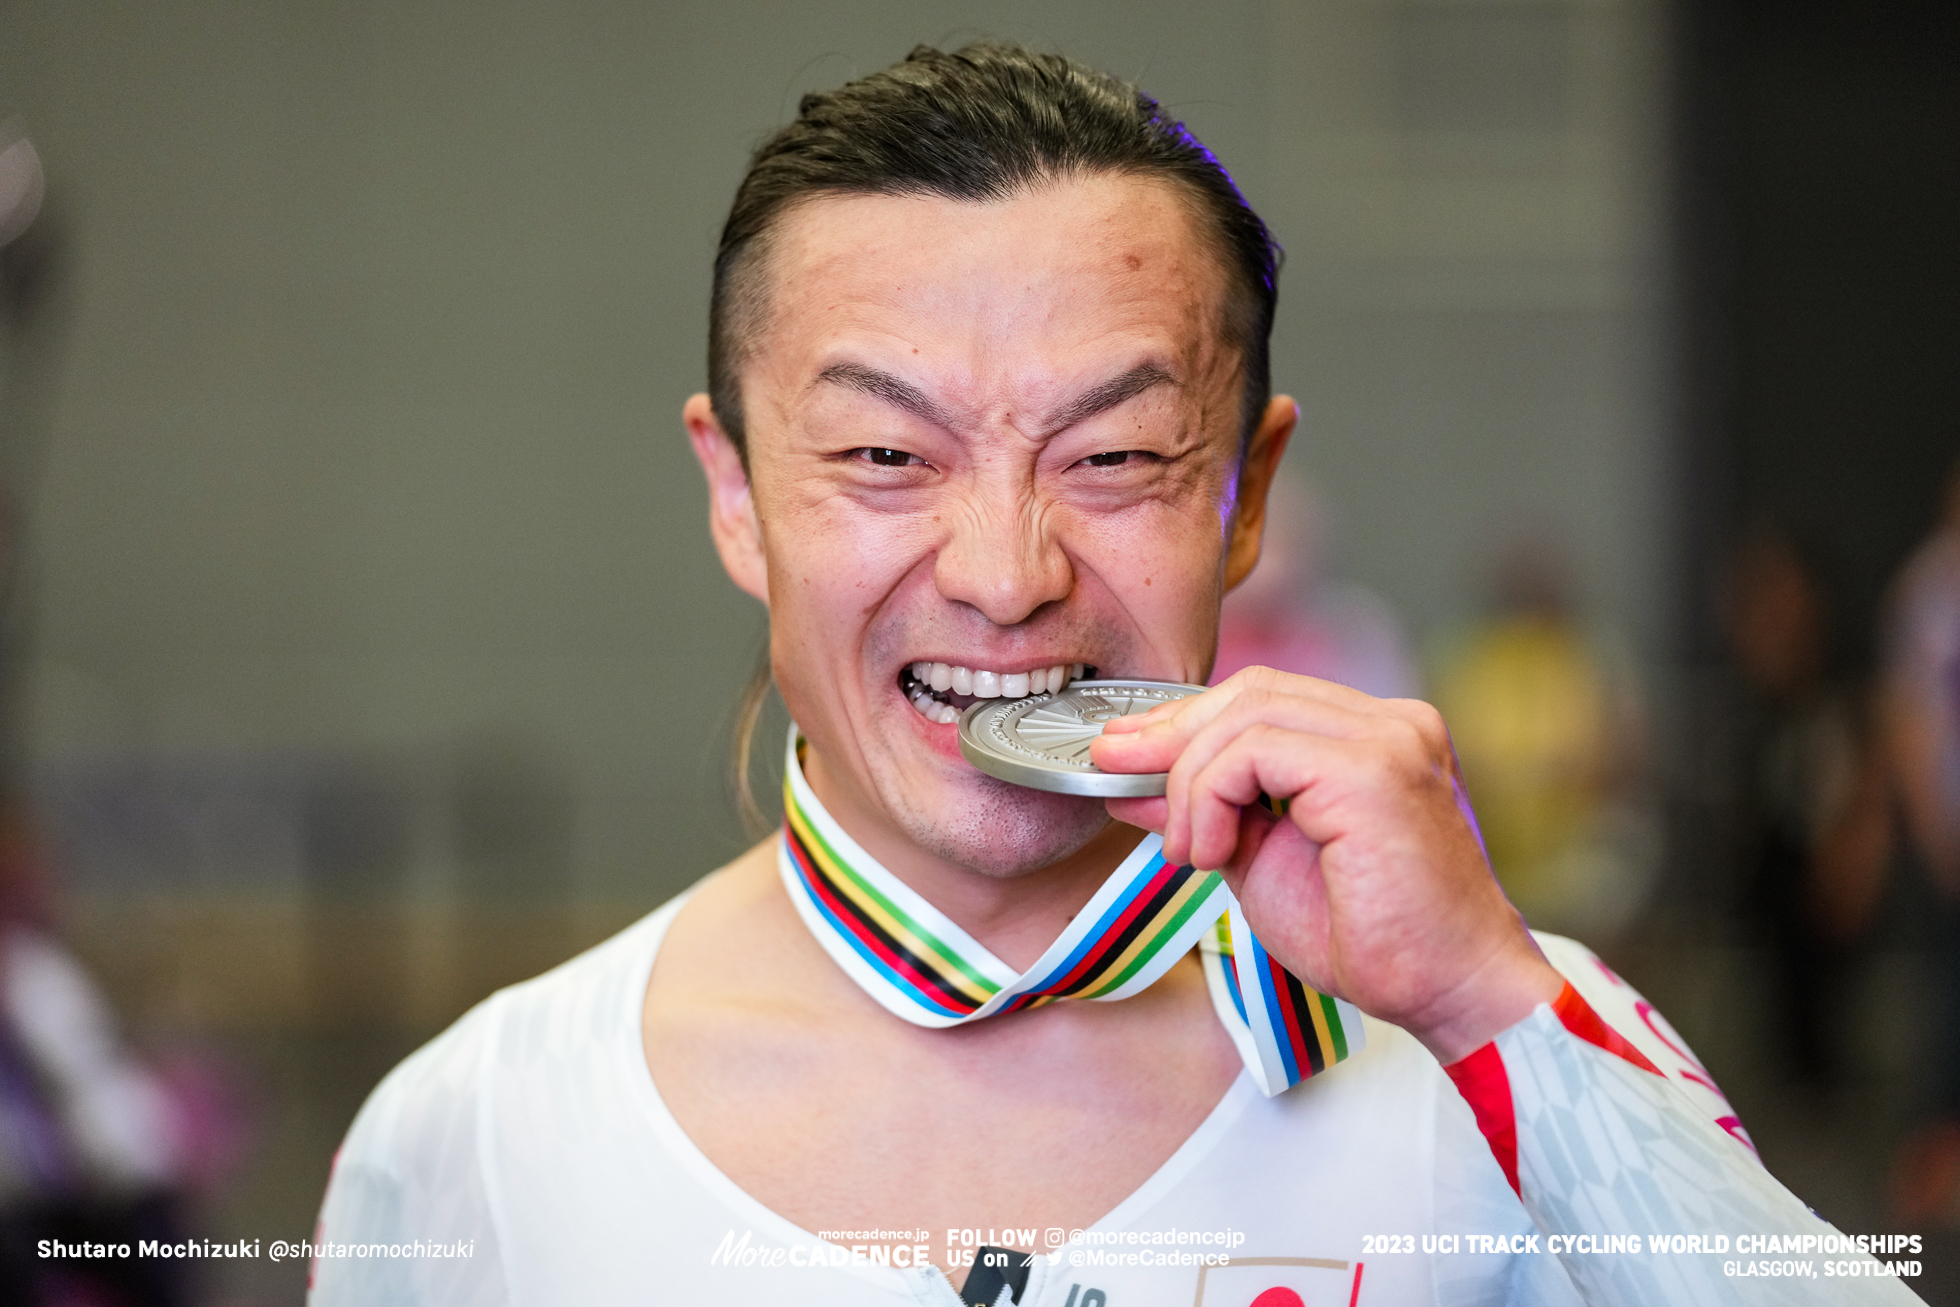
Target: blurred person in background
x,y
1816,803
94,1146
1921,706
1551,743
1289,615
91,1144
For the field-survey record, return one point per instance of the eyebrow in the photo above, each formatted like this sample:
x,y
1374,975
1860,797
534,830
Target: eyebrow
x,y
905,395
883,385
1110,393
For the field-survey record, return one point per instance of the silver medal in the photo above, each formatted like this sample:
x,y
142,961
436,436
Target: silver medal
x,y
1043,741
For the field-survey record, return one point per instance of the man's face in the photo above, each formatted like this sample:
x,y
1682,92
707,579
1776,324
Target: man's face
x,y
999,436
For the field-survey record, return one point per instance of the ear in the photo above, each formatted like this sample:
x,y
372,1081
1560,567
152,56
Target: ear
x,y
1262,455
731,507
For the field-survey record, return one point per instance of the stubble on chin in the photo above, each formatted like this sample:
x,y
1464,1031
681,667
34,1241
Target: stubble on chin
x,y
1005,830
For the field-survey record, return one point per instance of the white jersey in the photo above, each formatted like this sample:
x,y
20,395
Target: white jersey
x,y
525,1157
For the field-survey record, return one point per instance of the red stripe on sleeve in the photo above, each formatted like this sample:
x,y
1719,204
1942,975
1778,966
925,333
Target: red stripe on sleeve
x,y
1485,1085
1577,1016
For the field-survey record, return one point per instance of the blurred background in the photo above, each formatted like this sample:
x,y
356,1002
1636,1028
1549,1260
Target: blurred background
x,y
363,648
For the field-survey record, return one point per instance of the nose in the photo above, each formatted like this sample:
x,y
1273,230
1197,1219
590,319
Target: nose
x,y
1004,556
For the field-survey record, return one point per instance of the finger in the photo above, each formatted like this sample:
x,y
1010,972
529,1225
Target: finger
x,y
1195,710
1427,722
1145,814
1322,776
1154,741
1306,687
1147,741
1255,824
1262,707
1206,816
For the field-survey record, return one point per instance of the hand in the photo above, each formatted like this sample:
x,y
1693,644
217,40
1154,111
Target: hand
x,y
1374,886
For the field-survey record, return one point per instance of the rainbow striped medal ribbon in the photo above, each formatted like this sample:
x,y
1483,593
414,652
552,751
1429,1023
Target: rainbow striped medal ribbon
x,y
923,968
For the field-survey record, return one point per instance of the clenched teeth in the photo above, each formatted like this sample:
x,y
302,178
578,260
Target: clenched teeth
x,y
930,686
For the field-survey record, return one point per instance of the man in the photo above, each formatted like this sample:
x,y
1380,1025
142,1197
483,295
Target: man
x,y
989,410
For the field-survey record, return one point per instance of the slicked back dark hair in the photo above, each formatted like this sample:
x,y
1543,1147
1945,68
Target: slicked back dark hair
x,y
984,122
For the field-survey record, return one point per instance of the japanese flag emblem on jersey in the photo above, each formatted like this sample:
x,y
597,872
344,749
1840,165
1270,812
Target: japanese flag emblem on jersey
x,y
1280,1282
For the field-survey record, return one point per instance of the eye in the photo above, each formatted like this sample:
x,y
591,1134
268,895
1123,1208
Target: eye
x,y
887,457
1112,458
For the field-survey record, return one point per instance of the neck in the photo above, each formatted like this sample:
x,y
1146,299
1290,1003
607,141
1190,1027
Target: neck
x,y
1016,917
